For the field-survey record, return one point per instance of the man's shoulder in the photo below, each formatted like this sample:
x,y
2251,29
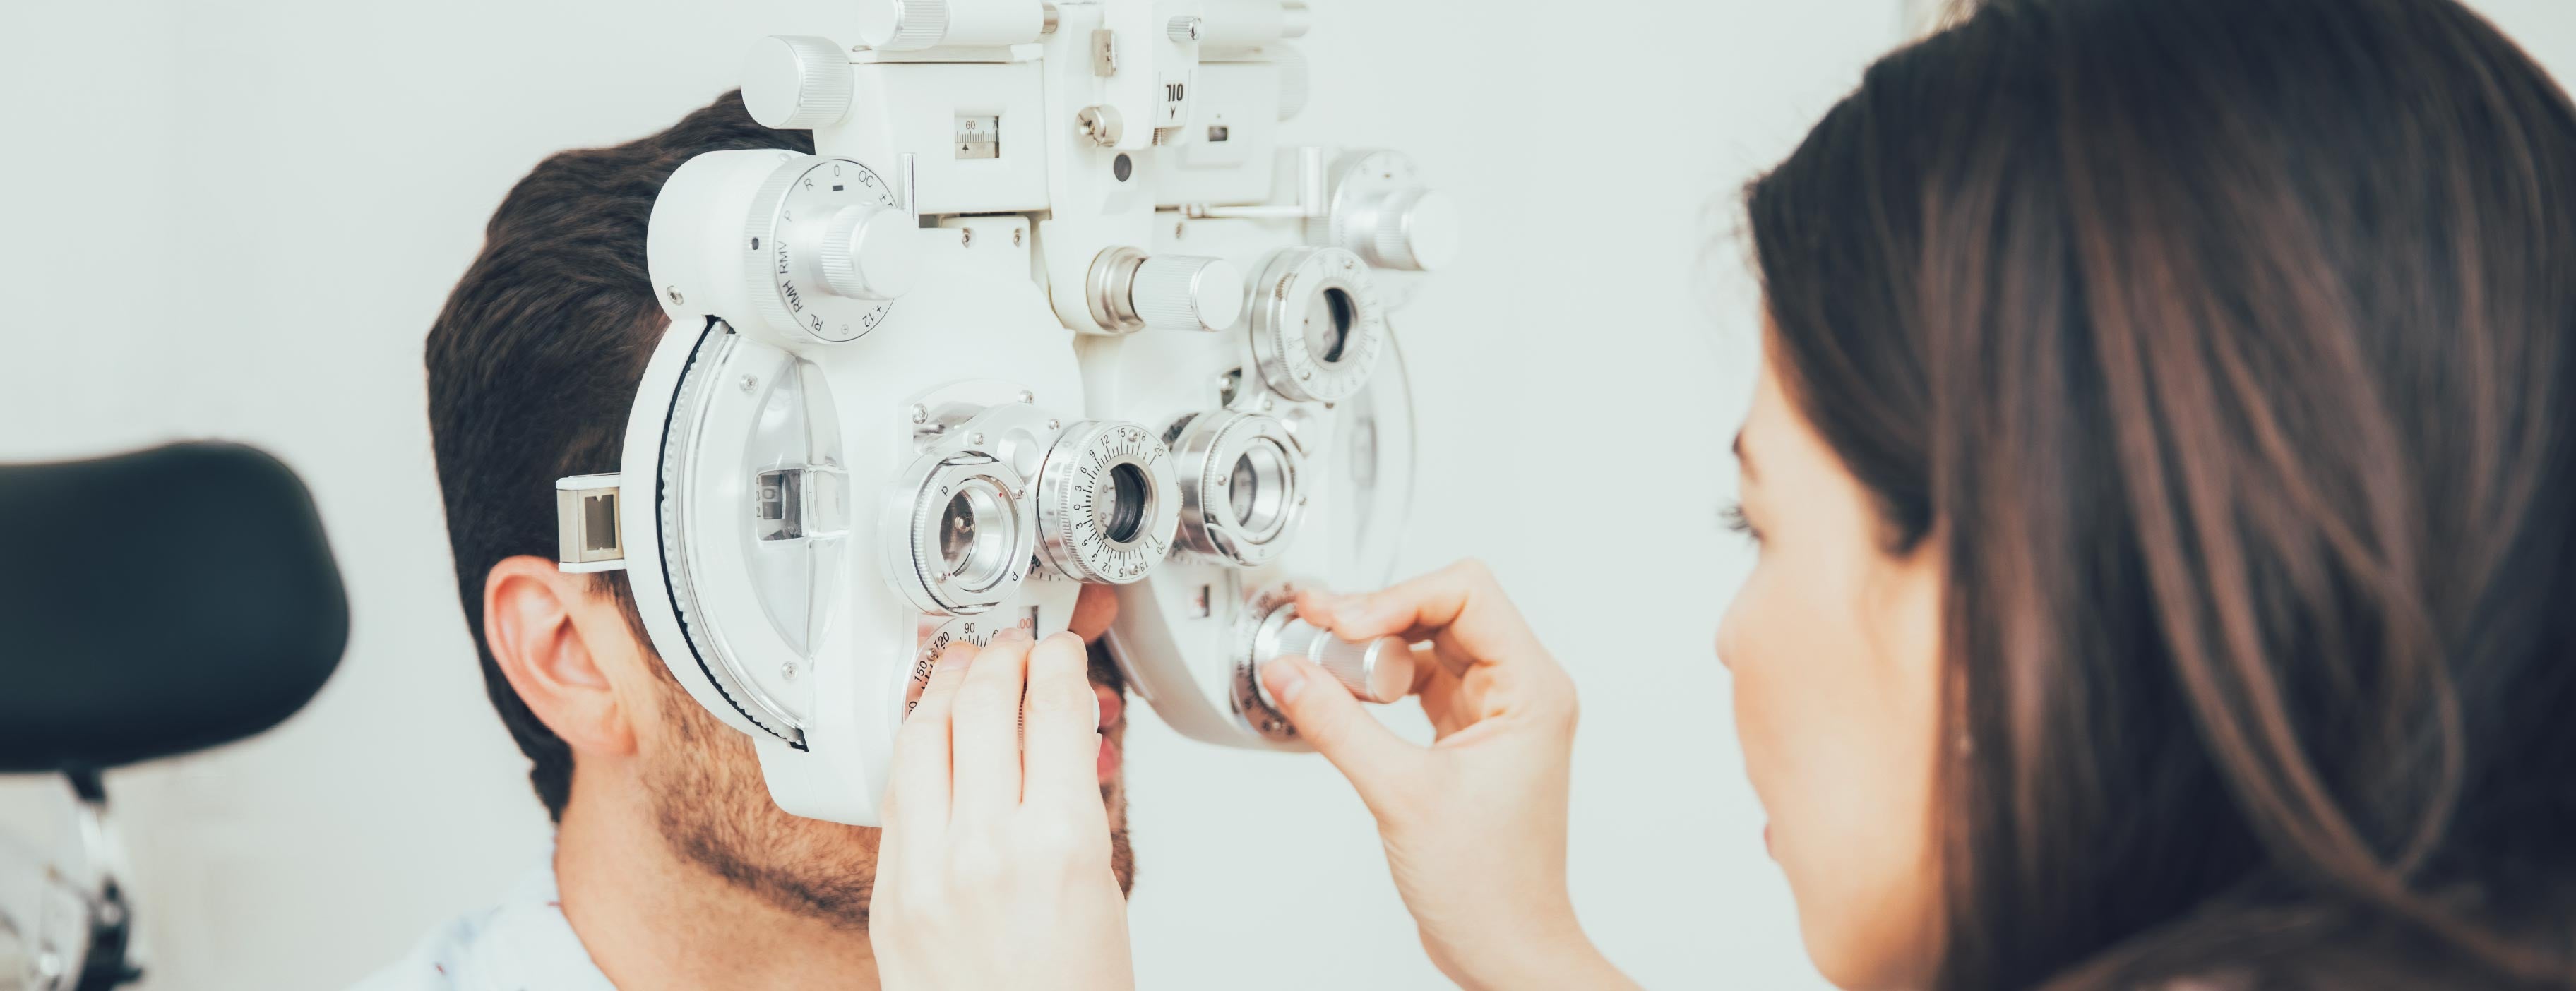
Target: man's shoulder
x,y
524,943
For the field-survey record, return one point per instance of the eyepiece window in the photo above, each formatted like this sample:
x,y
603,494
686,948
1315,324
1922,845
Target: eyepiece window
x,y
1128,500
1328,337
976,532
1258,490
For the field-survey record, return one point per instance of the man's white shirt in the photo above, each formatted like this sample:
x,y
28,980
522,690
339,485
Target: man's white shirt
x,y
522,944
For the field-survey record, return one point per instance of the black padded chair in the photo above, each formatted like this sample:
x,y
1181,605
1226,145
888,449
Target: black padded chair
x,y
151,604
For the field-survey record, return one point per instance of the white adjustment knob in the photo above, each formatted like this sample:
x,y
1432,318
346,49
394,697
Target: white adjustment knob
x,y
1184,29
1295,18
1295,81
797,81
1181,292
1413,229
1380,670
871,252
903,25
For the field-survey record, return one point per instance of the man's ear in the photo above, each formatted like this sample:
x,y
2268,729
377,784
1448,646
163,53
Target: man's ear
x,y
545,631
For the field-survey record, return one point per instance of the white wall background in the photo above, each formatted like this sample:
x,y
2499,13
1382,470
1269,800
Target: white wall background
x,y
230,219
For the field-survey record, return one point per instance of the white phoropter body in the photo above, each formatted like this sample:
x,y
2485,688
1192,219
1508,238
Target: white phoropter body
x,y
1049,305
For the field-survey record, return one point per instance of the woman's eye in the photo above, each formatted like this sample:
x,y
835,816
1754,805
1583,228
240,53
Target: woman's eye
x,y
1732,514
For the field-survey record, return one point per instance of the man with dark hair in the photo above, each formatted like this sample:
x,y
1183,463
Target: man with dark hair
x,y
671,866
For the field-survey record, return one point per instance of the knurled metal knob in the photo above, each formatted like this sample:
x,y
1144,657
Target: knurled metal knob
x,y
871,252
1184,292
903,25
1414,229
1379,670
796,81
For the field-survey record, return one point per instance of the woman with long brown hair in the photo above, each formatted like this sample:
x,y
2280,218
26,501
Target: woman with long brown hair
x,y
2164,466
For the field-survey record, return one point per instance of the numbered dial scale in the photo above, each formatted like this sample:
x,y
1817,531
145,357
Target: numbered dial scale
x,y
828,248
977,630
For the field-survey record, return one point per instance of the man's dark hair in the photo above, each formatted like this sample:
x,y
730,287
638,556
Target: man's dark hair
x,y
534,362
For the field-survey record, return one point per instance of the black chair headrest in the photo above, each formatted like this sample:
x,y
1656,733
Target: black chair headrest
x,y
158,603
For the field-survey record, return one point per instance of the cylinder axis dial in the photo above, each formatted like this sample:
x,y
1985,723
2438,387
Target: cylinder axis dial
x,y
1382,209
1316,323
827,249
1108,503
976,630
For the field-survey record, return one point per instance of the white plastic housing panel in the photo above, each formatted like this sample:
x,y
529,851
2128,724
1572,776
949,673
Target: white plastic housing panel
x,y
915,106
975,299
1238,101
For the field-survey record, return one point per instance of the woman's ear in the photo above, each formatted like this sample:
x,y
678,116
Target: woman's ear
x,y
542,628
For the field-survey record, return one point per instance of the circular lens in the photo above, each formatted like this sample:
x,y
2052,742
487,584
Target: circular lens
x,y
975,534
1325,338
1122,508
1258,492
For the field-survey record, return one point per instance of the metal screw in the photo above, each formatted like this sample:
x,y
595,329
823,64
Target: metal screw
x,y
920,414
750,382
1028,397
966,237
787,670
976,438
1055,424
1176,231
676,298
1015,236
1266,401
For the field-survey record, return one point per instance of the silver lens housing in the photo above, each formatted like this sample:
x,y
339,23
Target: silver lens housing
x,y
968,539
1108,503
1317,323
1241,494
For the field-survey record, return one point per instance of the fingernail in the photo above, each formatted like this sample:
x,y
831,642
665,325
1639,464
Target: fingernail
x,y
1011,633
1285,680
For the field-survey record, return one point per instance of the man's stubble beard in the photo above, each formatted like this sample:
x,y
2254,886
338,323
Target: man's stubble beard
x,y
710,804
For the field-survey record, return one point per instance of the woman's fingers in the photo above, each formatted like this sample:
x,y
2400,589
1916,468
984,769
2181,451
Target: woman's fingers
x,y
1063,750
1461,601
1326,715
918,791
986,737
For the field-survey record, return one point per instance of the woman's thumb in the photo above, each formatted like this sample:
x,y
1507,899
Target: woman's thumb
x,y
1328,717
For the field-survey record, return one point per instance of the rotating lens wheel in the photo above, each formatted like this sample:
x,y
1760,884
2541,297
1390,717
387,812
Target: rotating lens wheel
x,y
1241,497
969,538
1317,325
1108,503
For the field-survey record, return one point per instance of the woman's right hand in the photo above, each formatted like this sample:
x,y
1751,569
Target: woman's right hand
x,y
1474,825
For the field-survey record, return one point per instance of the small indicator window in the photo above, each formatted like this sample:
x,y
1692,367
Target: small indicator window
x,y
978,136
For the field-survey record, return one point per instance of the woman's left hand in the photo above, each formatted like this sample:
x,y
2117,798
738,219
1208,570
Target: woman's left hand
x,y
994,867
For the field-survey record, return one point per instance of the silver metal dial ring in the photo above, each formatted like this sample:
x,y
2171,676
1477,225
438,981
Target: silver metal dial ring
x,y
782,248
1251,700
967,543
1108,503
1241,496
1317,323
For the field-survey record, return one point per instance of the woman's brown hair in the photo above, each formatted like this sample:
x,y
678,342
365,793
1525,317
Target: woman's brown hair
x,y
2220,349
